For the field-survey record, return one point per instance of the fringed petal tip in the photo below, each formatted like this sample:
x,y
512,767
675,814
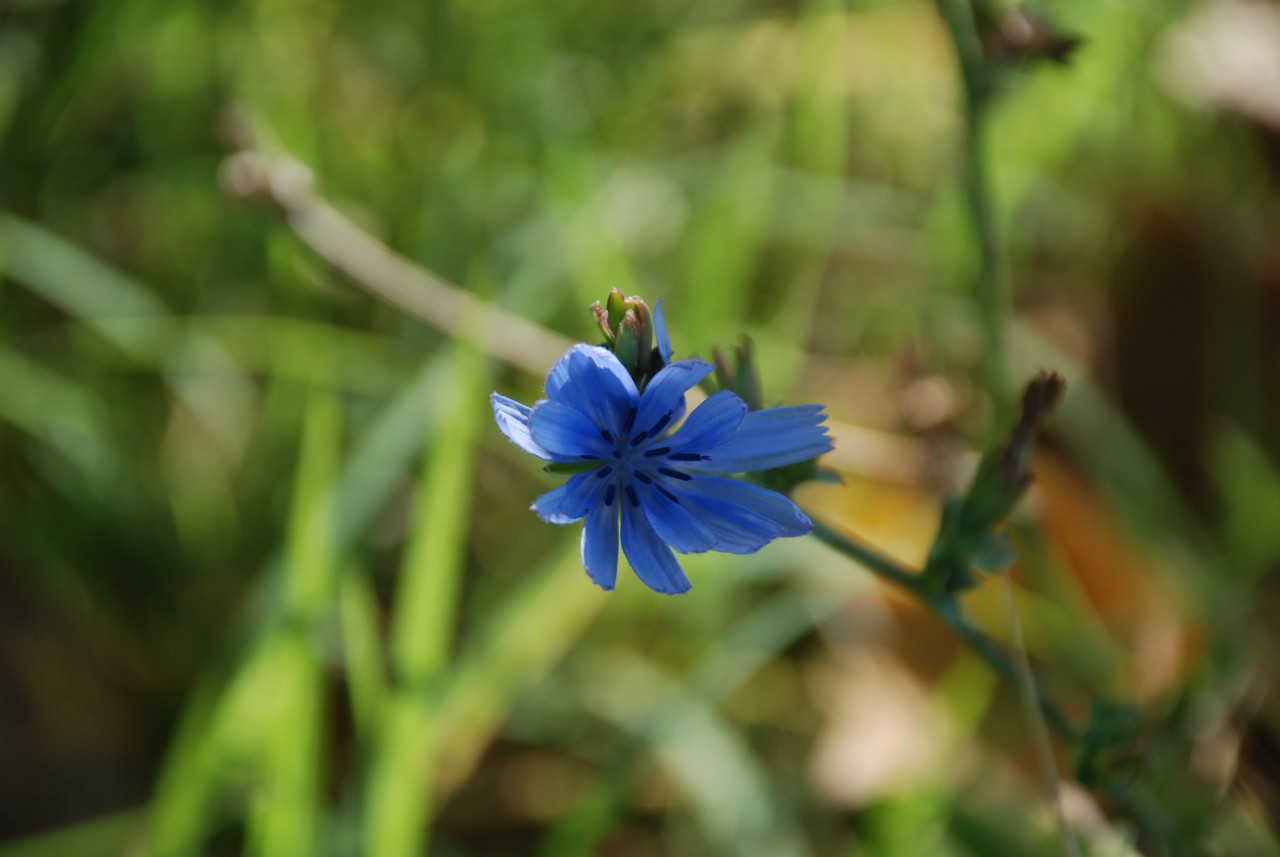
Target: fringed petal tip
x,y
772,438
513,421
571,502
565,431
742,517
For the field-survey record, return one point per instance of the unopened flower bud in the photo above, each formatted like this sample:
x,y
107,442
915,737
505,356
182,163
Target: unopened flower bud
x,y
1003,475
968,538
628,329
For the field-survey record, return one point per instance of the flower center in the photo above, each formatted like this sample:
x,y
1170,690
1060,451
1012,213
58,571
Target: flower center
x,y
633,453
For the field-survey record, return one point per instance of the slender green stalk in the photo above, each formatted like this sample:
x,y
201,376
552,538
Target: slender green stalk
x,y
1031,698
422,631
871,559
309,567
1005,667
362,650
398,800
992,305
958,16
288,817
948,609
993,308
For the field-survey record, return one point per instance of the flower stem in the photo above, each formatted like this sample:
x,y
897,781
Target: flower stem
x,y
958,17
871,559
1004,666
975,73
948,610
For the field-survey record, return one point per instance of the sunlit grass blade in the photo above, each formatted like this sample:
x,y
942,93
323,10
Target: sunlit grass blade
x,y
219,715
209,742
263,728
399,790
362,653
426,602
310,577
286,819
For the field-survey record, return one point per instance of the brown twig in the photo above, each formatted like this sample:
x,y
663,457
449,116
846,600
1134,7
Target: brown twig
x,y
251,173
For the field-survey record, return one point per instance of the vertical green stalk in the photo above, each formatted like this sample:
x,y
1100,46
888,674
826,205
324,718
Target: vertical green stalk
x,y
426,602
398,802
309,573
993,310
987,290
287,817
362,653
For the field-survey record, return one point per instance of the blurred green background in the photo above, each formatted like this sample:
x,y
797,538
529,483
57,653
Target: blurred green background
x,y
268,580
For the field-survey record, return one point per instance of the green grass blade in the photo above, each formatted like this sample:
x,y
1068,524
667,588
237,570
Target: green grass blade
x,y
61,414
422,630
287,817
181,813
398,798
117,307
362,653
310,575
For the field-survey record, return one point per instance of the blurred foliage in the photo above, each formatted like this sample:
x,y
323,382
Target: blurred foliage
x,y
268,581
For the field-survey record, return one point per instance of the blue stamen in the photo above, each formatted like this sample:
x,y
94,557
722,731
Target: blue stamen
x,y
631,495
654,453
674,474
609,494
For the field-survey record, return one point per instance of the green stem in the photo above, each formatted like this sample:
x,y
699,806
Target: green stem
x,y
947,609
871,559
958,16
400,783
999,661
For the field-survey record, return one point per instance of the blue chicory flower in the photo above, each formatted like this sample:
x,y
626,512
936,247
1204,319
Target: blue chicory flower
x,y
660,482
